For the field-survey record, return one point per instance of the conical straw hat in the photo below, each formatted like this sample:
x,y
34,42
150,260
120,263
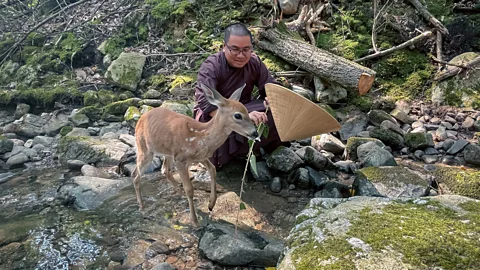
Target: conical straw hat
x,y
297,117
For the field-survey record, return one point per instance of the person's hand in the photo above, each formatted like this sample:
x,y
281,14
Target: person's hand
x,y
258,117
265,102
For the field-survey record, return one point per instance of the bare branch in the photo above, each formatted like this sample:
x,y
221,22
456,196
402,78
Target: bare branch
x,y
428,16
457,70
401,46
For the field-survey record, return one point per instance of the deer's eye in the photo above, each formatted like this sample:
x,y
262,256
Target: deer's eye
x,y
237,116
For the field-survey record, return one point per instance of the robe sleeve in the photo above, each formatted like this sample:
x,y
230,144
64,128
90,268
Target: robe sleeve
x,y
207,75
263,78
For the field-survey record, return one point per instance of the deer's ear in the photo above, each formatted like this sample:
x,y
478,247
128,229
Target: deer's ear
x,y
213,96
238,93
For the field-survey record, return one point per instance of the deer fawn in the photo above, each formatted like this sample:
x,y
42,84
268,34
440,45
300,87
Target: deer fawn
x,y
183,140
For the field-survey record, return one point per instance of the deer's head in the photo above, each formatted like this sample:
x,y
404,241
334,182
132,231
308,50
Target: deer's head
x,y
233,113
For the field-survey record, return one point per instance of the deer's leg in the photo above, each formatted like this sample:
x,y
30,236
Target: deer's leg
x,y
213,181
143,159
167,168
188,187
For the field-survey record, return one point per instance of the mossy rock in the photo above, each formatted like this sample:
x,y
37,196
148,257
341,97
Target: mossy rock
x,y
419,140
354,142
90,98
376,117
382,233
65,130
465,182
179,106
132,115
461,90
7,71
6,145
94,113
120,107
126,71
388,137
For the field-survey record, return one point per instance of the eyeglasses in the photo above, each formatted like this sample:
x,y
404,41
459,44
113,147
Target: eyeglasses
x,y
236,51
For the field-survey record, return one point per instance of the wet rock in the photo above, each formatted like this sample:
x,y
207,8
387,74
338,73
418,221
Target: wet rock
x,y
314,158
6,145
419,140
354,142
264,174
276,185
363,187
317,178
449,160
352,126
329,143
457,147
388,137
4,177
89,192
92,150
472,154
376,117
371,154
448,143
220,244
299,177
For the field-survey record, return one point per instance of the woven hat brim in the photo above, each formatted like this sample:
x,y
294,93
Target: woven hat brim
x,y
296,117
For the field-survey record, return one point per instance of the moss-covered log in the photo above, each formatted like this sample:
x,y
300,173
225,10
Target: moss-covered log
x,y
321,63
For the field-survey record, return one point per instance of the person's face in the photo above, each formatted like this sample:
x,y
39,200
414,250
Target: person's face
x,y
238,50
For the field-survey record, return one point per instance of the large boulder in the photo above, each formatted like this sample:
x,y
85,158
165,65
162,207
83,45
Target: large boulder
x,y
353,125
472,154
31,125
460,90
385,233
354,142
370,154
92,150
126,71
376,117
388,137
419,140
284,159
396,181
219,243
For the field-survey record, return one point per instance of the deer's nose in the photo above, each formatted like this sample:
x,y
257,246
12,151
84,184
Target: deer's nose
x,y
255,134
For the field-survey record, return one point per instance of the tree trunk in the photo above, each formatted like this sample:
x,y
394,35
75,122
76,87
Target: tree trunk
x,y
321,63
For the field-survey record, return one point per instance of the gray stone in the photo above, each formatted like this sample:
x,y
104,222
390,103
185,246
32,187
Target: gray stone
x,y
33,125
79,119
221,244
126,70
289,7
468,123
75,164
4,177
364,134
333,190
370,154
448,143
89,170
376,117
317,178
21,110
429,159
435,120
177,106
6,145
476,125
419,140
46,141
417,124
264,174
38,148
152,94
441,133
352,126
431,151
393,127
450,119
284,159
17,160
363,187
276,185
314,158
388,137
299,177
163,266
354,142
457,147
472,154
447,125
113,127
401,116
78,132
331,94
346,166
329,143
418,154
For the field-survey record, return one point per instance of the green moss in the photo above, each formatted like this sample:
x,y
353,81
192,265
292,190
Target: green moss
x,y
418,140
94,113
394,173
6,97
35,39
328,109
272,62
65,130
157,80
337,251
440,9
463,182
427,235
106,97
179,80
120,107
364,103
387,136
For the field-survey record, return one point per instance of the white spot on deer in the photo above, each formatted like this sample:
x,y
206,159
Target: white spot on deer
x,y
192,139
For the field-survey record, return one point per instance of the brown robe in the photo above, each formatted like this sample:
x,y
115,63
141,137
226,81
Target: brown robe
x,y
216,73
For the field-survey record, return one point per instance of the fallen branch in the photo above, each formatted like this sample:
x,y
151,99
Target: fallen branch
x,y
401,46
428,16
15,46
447,63
457,70
291,73
439,45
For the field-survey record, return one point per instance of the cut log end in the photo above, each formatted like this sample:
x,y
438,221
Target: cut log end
x,y
365,83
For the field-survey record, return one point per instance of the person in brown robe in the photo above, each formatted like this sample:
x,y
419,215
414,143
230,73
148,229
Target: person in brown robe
x,y
225,72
